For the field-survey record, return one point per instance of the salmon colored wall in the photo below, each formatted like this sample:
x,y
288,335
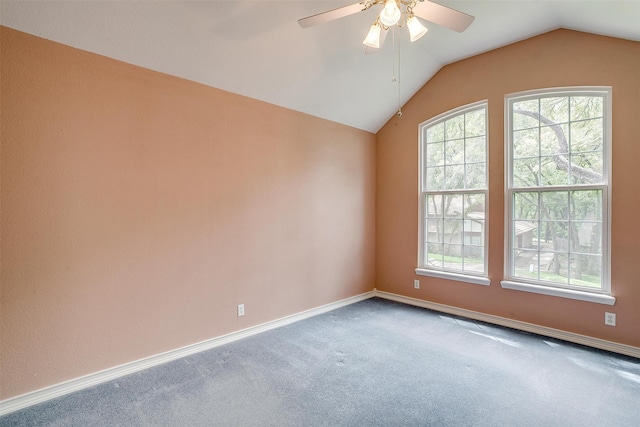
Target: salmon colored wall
x,y
558,58
138,210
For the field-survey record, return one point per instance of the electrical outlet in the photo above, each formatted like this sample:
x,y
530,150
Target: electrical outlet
x,y
416,284
610,319
240,310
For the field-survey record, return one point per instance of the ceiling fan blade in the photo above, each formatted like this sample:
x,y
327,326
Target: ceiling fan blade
x,y
330,15
443,16
383,36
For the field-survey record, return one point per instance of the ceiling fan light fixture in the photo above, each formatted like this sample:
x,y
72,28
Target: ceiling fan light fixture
x,y
373,38
416,29
390,14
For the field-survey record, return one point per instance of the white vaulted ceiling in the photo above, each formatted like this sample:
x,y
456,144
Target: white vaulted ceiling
x,y
257,48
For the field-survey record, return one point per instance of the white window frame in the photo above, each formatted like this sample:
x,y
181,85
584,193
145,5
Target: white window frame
x,y
602,295
422,269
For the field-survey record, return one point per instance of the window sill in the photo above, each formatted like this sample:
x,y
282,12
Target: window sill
x,y
559,292
476,280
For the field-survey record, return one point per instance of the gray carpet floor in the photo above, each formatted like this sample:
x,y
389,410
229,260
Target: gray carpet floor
x,y
373,363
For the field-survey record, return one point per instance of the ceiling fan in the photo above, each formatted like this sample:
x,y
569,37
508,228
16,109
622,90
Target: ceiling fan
x,y
392,14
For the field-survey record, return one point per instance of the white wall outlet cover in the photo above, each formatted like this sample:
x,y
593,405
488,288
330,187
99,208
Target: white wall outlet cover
x,y
610,319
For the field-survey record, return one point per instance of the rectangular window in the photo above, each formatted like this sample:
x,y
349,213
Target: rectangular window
x,y
453,194
557,151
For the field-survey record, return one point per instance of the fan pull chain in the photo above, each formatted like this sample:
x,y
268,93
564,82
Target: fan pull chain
x,y
393,63
395,79
399,113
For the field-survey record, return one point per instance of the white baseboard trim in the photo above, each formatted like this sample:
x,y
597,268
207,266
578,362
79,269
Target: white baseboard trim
x,y
516,324
42,395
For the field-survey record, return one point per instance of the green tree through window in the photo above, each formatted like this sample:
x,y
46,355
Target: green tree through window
x,y
557,189
453,191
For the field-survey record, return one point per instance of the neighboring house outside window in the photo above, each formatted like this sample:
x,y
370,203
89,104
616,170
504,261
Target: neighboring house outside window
x,y
557,191
453,195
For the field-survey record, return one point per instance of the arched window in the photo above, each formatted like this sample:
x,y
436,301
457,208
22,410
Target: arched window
x,y
557,190
453,195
